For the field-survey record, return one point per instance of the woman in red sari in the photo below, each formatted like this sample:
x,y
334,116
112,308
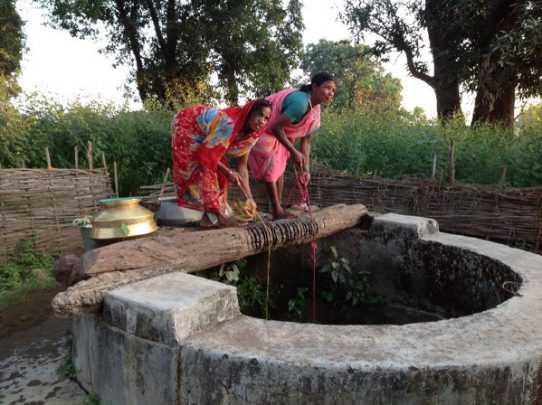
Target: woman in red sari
x,y
202,136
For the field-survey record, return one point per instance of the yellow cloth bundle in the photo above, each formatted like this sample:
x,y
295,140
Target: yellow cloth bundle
x,y
243,211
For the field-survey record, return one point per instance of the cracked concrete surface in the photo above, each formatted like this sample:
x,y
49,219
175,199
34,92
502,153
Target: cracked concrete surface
x,y
488,351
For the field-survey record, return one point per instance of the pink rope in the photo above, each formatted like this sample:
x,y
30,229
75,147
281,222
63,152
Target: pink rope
x,y
304,192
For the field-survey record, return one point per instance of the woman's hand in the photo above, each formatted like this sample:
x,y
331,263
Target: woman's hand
x,y
298,158
250,207
305,177
235,177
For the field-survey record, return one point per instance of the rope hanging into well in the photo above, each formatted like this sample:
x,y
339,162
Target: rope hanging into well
x,y
303,187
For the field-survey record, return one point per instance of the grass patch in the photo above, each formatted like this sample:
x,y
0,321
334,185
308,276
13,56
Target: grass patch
x,y
92,399
26,271
67,369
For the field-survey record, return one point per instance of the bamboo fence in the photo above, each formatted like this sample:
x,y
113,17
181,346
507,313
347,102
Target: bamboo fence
x,y
512,216
41,204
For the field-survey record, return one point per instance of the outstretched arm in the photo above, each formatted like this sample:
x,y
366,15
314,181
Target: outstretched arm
x,y
242,168
278,131
305,148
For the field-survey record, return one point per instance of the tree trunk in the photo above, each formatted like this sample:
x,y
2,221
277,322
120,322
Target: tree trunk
x,y
503,108
495,97
495,93
448,98
444,48
127,18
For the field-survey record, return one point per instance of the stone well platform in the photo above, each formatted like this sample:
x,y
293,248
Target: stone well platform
x,y
180,339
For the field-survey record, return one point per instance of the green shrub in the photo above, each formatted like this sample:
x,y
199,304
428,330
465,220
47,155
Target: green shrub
x,y
26,270
404,144
394,143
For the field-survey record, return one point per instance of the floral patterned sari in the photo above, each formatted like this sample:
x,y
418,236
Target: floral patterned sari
x,y
201,138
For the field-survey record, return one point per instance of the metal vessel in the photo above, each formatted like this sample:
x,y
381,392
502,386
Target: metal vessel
x,y
122,218
170,214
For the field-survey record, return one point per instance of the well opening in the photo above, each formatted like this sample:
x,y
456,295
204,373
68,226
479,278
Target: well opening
x,y
363,279
186,337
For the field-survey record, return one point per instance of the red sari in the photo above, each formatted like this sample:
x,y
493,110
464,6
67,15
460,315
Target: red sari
x,y
201,137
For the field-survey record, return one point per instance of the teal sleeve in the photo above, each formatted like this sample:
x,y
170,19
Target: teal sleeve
x,y
295,105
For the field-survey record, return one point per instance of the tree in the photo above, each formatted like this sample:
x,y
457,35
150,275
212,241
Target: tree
x,y
399,27
175,45
11,47
508,62
361,81
476,43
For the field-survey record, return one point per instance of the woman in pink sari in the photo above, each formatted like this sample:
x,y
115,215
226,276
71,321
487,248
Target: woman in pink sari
x,y
296,114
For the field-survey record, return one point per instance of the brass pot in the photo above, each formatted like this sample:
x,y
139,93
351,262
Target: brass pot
x,y
122,218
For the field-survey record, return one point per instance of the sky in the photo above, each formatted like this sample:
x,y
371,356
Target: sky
x,y
68,68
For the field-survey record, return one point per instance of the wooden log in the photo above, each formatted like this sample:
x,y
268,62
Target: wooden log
x,y
62,268
193,251
87,295
114,265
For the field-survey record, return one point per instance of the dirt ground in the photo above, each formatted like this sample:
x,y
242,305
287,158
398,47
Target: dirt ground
x,y
33,344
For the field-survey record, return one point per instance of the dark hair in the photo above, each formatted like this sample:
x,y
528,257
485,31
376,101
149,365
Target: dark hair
x,y
258,105
317,80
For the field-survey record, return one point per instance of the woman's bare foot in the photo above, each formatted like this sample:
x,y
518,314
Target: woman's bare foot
x,y
283,214
214,221
207,223
229,222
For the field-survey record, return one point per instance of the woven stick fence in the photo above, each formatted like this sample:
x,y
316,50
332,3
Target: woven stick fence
x,y
42,203
512,216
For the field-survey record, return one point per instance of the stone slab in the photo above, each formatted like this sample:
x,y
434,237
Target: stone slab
x,y
121,368
168,308
393,223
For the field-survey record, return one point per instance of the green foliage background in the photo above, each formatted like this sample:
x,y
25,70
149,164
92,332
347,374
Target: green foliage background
x,y
28,269
139,141
395,143
398,144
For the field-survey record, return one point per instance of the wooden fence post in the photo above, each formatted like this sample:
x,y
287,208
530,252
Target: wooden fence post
x,y
503,178
115,178
163,185
89,156
104,163
48,159
434,167
76,155
451,163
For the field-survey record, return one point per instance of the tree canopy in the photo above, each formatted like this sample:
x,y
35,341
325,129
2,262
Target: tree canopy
x,y
490,47
11,38
361,81
11,47
175,46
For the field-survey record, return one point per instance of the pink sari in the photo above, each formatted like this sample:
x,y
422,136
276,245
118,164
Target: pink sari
x,y
267,159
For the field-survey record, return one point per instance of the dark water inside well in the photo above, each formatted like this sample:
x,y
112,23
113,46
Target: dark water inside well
x,y
387,279
287,304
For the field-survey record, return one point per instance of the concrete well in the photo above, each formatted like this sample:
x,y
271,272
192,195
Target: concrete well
x,y
179,338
